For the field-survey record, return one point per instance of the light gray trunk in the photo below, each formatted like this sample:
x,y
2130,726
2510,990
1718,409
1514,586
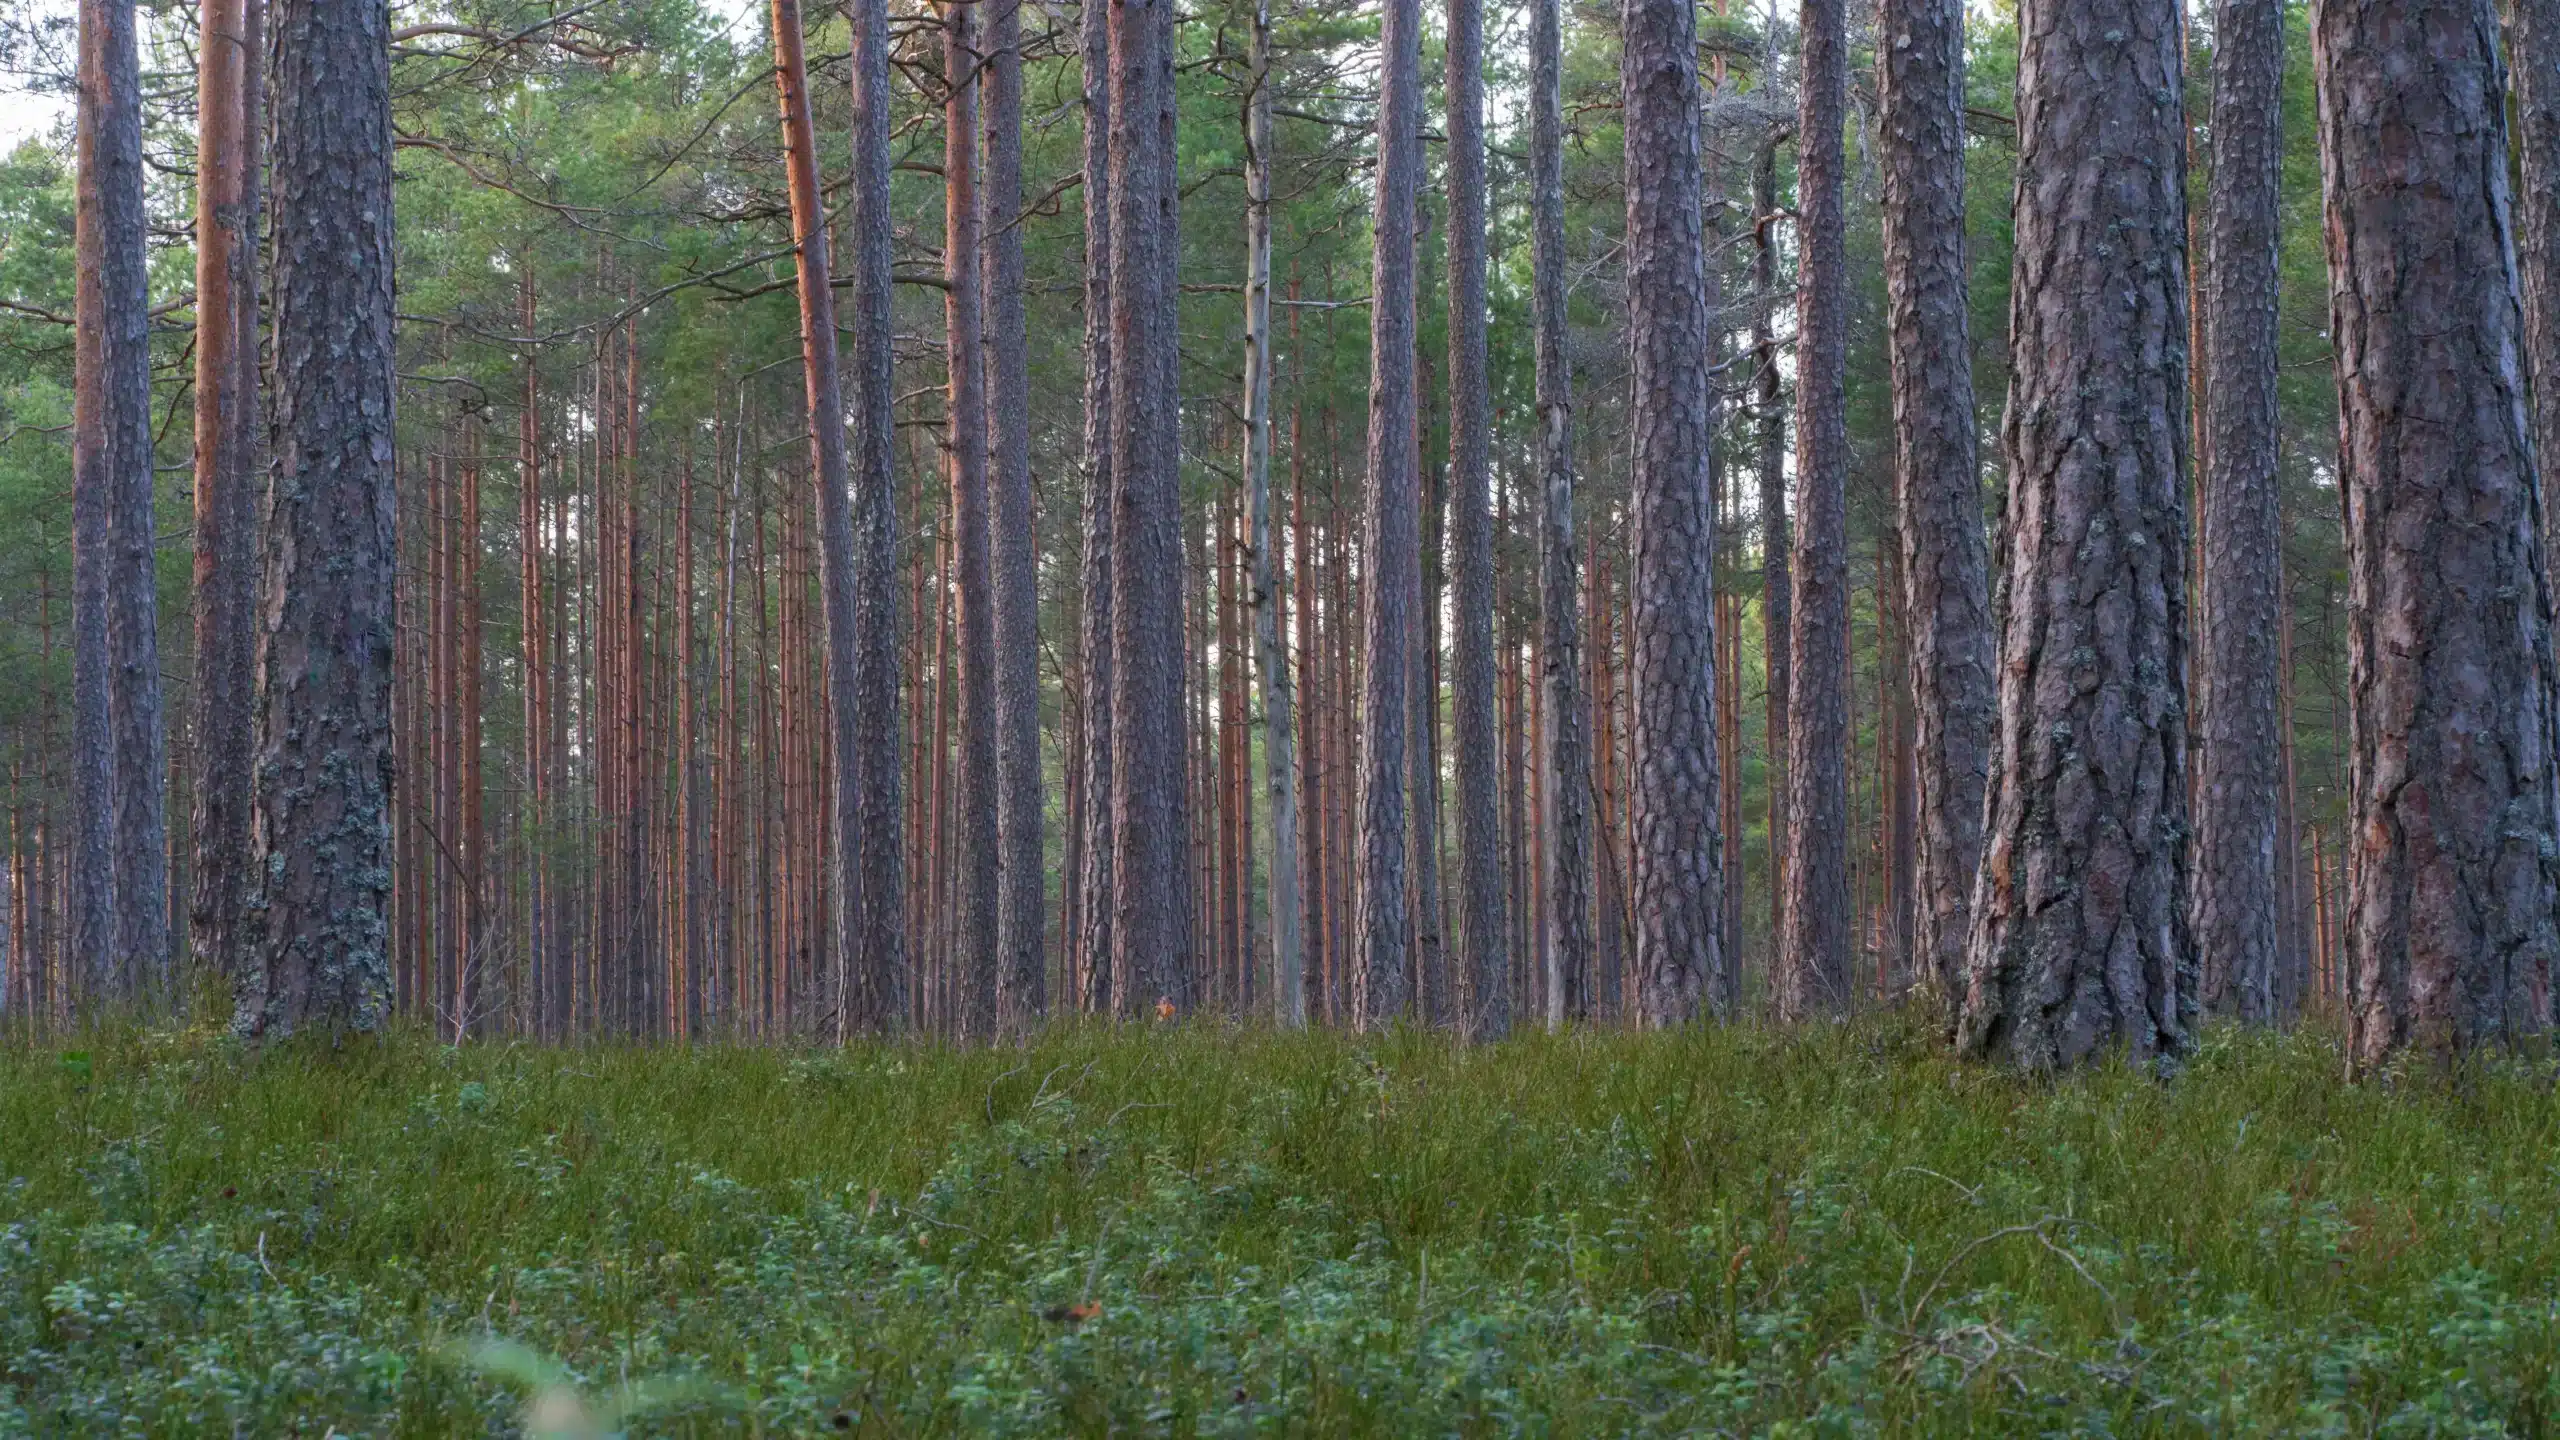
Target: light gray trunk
x,y
1270,658
877,1000
1813,950
1564,771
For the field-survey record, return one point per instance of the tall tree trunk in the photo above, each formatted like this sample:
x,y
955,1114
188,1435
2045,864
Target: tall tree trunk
x,y
1679,957
1094,634
2080,930
1564,768
2238,935
1482,961
830,472
229,120
868,779
1151,821
1381,988
1945,562
1812,970
1270,582
2451,879
111,464
2533,36
324,646
980,861
1021,804
1777,582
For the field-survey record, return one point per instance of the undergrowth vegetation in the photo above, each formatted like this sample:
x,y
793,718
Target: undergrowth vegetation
x,y
1205,1231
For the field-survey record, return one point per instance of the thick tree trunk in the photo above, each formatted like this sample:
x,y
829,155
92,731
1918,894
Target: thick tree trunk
x,y
2240,760
1271,658
868,782
1679,951
1021,803
1094,635
1777,582
2451,879
2080,930
1381,987
980,862
1565,768
1945,562
2533,33
324,645
1151,822
830,472
1483,961
1812,970
229,122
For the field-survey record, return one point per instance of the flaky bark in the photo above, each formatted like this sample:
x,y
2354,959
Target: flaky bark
x,y
2450,847
1271,658
979,858
2080,931
229,119
1381,985
1151,821
1483,963
1564,770
1677,884
323,844
1813,950
877,997
1945,562
2239,759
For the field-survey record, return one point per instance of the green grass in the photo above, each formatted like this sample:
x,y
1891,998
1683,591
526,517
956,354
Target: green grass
x,y
1217,1232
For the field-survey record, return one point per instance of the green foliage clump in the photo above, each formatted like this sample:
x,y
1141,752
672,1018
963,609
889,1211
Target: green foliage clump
x,y
1204,1231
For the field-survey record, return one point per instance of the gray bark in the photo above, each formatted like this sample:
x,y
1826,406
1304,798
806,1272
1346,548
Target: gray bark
x,y
2239,758
2450,845
1483,964
1564,771
1677,844
112,627
1945,563
322,836
1776,542
1151,822
1021,804
1270,657
1381,984
1813,951
878,998
1094,635
2080,929
978,859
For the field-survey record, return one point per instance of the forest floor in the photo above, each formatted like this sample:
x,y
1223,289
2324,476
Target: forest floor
x,y
1208,1231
